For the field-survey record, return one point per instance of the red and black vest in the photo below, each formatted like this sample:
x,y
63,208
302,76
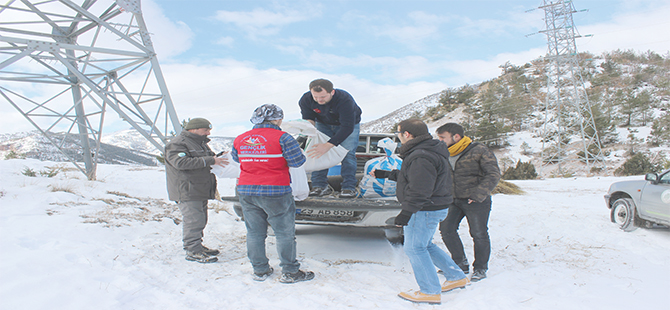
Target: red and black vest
x,y
261,158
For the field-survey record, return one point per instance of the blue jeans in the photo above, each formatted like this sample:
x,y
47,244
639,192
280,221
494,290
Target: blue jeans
x,y
477,214
279,212
320,178
424,255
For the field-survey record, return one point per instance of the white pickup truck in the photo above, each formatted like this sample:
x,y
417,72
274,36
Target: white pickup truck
x,y
360,212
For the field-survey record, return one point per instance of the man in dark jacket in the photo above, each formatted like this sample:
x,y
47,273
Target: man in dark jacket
x,y
476,174
188,161
334,113
265,154
425,191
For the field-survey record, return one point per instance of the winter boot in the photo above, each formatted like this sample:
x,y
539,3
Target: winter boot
x,y
478,275
200,257
296,277
419,297
450,285
262,276
348,193
320,191
210,252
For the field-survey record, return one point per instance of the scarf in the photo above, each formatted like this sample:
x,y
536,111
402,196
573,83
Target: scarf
x,y
459,146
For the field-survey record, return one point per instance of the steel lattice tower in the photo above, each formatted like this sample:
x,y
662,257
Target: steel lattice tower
x,y
64,64
567,109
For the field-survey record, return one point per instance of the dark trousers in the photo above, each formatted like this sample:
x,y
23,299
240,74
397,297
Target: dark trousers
x,y
477,214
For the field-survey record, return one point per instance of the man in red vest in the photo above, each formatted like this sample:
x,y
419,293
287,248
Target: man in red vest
x,y
265,154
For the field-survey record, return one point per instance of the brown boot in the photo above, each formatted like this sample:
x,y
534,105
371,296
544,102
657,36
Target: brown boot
x,y
419,297
450,285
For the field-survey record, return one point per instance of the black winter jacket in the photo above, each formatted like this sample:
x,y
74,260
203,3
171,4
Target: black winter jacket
x,y
424,179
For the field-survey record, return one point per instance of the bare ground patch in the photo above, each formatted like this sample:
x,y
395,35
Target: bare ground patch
x,y
121,209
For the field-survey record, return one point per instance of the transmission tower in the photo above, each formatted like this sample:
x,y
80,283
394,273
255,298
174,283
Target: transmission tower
x,y
64,64
568,113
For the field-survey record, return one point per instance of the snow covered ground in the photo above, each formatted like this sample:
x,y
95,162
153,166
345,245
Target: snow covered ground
x,y
70,243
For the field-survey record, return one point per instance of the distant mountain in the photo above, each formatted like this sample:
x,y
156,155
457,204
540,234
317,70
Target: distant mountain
x,y
131,139
386,123
35,145
126,147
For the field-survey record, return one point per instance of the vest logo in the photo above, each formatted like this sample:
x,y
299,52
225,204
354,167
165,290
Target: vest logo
x,y
253,144
317,110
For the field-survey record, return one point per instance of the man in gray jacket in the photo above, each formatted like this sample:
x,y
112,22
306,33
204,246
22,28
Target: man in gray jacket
x,y
476,174
188,160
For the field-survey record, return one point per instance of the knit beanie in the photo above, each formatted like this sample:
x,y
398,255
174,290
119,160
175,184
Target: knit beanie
x,y
197,122
267,112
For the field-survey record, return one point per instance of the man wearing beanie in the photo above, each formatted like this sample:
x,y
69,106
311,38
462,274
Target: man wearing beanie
x,y
476,174
188,161
425,192
265,154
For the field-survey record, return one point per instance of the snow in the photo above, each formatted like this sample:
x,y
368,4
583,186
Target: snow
x,y
71,243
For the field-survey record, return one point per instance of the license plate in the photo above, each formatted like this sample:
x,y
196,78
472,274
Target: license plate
x,y
325,212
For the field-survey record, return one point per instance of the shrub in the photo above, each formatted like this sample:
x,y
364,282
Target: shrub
x,y
507,188
50,172
29,172
14,155
522,171
62,188
638,164
526,149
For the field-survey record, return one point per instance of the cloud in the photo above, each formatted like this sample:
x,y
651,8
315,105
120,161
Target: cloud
x,y
412,32
261,22
234,89
474,71
225,41
170,38
643,30
517,21
386,68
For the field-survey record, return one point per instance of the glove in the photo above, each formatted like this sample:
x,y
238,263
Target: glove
x,y
382,174
403,218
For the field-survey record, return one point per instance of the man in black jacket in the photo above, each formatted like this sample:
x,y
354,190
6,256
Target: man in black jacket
x,y
425,191
476,174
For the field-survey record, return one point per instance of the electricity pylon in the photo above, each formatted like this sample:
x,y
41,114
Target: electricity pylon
x,y
567,109
64,64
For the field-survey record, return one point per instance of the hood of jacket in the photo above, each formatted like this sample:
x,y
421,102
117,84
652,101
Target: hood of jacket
x,y
424,142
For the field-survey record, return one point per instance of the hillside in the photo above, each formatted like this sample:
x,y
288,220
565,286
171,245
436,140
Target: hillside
x,y
629,94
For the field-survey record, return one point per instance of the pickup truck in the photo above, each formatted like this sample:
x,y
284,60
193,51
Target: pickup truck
x,y
357,212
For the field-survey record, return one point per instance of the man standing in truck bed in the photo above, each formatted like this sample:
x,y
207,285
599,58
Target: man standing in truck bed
x,y
335,113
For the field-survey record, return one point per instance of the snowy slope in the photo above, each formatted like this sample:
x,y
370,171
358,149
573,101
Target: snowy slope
x,y
386,123
70,243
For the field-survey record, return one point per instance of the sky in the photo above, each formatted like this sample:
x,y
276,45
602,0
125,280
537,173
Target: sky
x,y
222,59
70,243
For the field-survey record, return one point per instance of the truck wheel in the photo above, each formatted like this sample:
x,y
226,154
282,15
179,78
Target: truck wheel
x,y
623,214
394,236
